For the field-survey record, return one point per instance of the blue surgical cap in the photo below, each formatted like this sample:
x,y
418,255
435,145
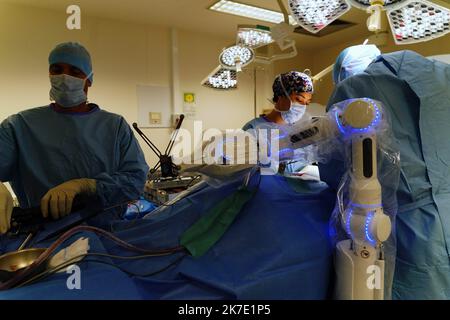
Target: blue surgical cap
x,y
354,60
74,54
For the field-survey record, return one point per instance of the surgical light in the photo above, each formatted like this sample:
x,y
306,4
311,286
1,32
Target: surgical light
x,y
254,37
236,57
418,21
314,15
222,79
411,21
248,11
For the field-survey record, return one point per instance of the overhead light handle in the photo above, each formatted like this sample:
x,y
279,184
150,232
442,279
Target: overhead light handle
x,y
284,10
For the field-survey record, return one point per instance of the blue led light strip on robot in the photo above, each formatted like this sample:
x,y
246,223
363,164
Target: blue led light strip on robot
x,y
341,128
348,223
368,222
281,136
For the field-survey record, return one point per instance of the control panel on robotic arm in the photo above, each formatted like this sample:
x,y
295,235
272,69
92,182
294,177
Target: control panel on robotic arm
x,y
356,124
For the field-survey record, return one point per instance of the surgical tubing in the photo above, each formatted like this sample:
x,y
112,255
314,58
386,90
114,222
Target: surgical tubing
x,y
46,254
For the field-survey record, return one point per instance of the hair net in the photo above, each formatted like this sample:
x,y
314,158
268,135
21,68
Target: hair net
x,y
74,54
293,81
354,60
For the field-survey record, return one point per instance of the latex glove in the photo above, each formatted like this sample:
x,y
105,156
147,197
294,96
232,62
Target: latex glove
x,y
58,201
6,207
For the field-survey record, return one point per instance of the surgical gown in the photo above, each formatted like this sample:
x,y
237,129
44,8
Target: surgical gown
x,y
41,148
416,93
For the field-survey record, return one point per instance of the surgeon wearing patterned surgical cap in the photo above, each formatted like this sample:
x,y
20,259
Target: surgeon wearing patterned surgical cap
x,y
52,154
292,93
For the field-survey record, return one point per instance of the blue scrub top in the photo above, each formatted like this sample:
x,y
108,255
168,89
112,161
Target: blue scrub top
x,y
41,148
255,123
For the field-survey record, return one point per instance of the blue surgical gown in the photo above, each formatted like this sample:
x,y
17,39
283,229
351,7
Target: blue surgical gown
x,y
41,148
416,94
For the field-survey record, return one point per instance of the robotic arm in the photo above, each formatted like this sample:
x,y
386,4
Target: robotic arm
x,y
360,265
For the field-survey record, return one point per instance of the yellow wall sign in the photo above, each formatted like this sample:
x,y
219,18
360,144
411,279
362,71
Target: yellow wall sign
x,y
189,97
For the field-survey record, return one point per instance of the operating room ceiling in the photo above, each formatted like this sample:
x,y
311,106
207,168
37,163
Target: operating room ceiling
x,y
193,15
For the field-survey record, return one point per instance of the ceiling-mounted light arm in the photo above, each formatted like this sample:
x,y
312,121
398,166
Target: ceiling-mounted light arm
x,y
238,64
281,33
290,44
284,11
323,73
375,10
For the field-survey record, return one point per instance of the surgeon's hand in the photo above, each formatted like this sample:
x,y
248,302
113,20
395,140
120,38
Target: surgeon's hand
x,y
6,208
58,201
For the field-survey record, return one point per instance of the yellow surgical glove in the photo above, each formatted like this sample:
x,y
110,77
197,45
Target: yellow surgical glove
x,y
6,208
58,201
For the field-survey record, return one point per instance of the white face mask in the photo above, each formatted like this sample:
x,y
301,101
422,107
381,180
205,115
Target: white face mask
x,y
296,110
67,91
295,113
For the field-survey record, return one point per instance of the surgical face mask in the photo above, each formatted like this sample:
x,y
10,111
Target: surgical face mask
x,y
296,110
67,91
295,113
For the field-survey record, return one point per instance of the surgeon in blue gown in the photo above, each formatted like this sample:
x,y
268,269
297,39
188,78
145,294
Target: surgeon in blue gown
x,y
53,153
292,93
416,94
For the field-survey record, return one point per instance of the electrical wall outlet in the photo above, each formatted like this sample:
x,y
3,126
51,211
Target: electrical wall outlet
x,y
155,117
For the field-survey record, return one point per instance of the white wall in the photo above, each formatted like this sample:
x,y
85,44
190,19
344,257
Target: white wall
x,y
124,55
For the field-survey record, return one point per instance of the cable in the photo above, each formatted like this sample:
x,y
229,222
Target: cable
x,y
70,262
79,222
45,255
28,271
138,209
132,222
